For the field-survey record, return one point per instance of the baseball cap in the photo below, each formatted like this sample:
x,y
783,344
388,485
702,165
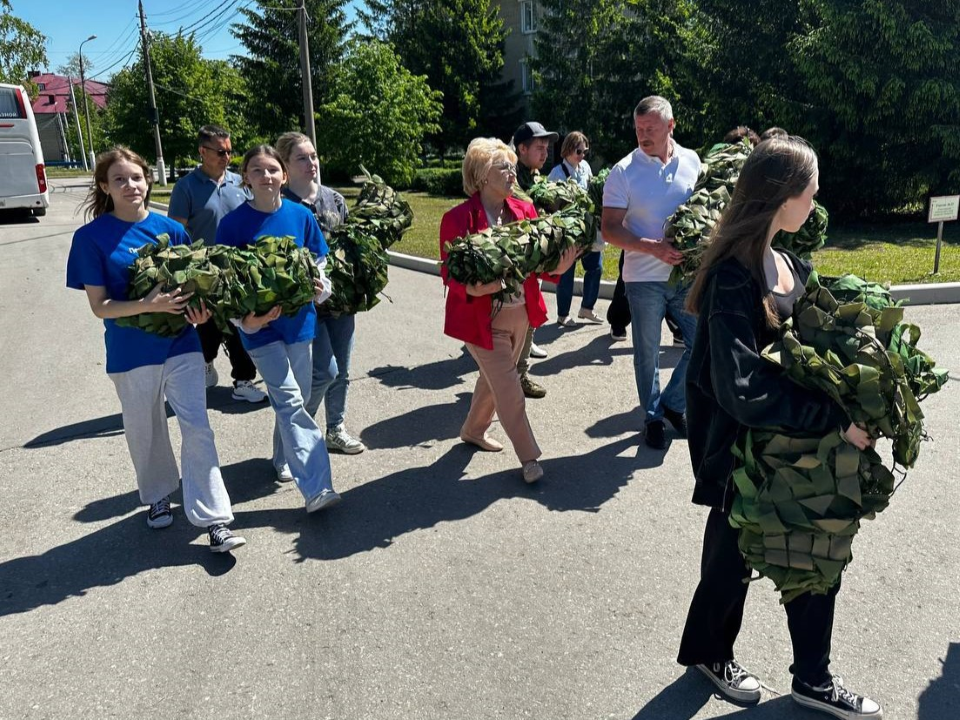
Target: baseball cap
x,y
531,130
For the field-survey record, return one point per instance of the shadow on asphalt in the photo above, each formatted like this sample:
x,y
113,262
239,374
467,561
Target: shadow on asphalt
x,y
421,426
600,352
688,694
17,217
941,698
218,398
375,514
438,375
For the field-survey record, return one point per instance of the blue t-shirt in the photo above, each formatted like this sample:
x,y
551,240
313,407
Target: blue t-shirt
x,y
101,255
243,227
203,202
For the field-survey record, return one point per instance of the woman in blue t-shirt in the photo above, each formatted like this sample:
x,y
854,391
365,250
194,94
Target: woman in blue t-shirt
x,y
280,346
144,367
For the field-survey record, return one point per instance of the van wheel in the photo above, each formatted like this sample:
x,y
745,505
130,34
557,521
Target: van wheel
x,y
39,212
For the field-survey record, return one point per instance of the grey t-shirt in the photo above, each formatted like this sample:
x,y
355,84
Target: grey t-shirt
x,y
203,202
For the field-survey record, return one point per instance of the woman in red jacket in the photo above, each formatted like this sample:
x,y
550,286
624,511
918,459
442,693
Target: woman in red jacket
x,y
494,335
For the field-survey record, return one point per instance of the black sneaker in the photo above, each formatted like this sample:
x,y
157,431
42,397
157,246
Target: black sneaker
x,y
834,699
655,436
222,540
733,681
678,420
159,515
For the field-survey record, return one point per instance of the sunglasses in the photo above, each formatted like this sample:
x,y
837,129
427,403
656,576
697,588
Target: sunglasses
x,y
220,153
582,151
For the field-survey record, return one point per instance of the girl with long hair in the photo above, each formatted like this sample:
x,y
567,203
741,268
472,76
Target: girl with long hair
x,y
147,368
333,343
742,290
280,346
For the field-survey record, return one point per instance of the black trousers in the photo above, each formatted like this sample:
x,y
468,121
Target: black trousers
x,y
241,366
618,312
716,612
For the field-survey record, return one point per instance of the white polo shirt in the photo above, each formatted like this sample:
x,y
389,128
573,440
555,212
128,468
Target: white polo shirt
x,y
650,191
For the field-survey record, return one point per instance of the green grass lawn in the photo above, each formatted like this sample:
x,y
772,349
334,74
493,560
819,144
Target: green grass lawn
x,y
898,253
61,172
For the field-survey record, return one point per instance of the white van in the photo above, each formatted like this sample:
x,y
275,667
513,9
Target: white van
x,y
23,179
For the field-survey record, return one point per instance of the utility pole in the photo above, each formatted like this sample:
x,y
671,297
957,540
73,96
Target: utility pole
x,y
154,117
86,108
67,155
309,126
76,117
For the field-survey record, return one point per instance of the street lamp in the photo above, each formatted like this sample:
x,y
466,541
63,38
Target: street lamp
x,y
86,110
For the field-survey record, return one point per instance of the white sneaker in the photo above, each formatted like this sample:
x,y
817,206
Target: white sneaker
x,y
284,474
246,390
565,322
211,375
325,499
590,316
537,351
339,440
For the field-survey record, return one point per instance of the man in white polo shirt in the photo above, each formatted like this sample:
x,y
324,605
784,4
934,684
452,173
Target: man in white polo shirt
x,y
642,191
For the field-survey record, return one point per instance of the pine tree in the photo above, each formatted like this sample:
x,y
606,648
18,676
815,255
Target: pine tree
x,y
270,34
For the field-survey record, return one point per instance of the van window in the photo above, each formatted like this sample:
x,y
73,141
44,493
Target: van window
x,y
10,106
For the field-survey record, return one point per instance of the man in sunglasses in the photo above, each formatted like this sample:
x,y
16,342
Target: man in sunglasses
x,y
199,201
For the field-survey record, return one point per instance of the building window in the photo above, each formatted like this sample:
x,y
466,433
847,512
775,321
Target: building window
x,y
528,17
42,86
526,77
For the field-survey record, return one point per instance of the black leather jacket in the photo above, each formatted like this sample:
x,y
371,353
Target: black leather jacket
x,y
730,386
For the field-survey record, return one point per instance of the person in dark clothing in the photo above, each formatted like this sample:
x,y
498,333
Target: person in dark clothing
x,y
742,290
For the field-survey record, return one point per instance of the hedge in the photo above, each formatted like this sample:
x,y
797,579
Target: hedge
x,y
438,181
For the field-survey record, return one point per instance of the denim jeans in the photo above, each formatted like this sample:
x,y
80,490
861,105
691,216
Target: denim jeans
x,y
591,284
332,347
649,302
286,371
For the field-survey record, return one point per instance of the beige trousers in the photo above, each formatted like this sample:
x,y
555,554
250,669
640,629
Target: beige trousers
x,y
498,387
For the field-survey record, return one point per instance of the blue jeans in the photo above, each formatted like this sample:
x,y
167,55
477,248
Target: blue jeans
x,y
648,306
332,347
592,271
286,371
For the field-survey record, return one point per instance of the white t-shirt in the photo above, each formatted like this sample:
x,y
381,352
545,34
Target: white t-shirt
x,y
650,192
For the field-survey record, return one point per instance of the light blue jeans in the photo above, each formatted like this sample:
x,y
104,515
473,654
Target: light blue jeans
x,y
286,371
592,272
648,306
332,347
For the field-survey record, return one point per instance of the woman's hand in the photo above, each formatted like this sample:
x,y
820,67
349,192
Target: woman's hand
x,y
198,315
173,302
253,322
858,437
480,289
567,259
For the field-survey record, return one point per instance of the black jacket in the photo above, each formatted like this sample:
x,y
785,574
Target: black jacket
x,y
729,386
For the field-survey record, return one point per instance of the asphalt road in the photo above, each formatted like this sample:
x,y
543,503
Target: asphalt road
x,y
442,587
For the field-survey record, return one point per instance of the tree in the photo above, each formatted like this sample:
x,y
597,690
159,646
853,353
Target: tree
x,y
272,65
597,58
190,92
71,68
882,100
458,46
377,115
22,48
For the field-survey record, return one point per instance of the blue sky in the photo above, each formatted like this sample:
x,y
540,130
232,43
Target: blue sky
x,y
66,23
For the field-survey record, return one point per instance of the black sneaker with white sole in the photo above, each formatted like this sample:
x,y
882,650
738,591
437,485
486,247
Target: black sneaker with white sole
x,y
159,515
834,699
733,682
222,540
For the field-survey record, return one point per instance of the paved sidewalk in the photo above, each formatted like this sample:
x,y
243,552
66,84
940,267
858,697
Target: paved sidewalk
x,y
442,587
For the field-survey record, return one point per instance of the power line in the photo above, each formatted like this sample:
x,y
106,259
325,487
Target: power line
x,y
124,61
216,28
205,19
197,7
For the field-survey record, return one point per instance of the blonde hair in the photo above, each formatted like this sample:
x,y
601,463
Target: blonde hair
x,y
99,202
571,141
481,154
288,141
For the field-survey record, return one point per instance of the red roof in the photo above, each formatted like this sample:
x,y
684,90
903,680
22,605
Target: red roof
x,y
55,93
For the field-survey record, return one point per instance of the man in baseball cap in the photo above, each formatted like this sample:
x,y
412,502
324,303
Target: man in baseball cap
x,y
532,143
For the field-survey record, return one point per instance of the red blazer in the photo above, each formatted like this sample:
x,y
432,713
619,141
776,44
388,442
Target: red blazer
x,y
468,318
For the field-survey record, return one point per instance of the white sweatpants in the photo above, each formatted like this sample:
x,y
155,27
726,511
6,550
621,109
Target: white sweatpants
x,y
141,392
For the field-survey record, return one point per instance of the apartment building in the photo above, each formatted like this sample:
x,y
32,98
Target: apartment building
x,y
520,19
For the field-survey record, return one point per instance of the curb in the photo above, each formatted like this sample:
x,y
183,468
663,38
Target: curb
x,y
932,294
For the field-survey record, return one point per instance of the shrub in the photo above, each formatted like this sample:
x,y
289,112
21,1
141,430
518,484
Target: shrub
x,y
439,181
